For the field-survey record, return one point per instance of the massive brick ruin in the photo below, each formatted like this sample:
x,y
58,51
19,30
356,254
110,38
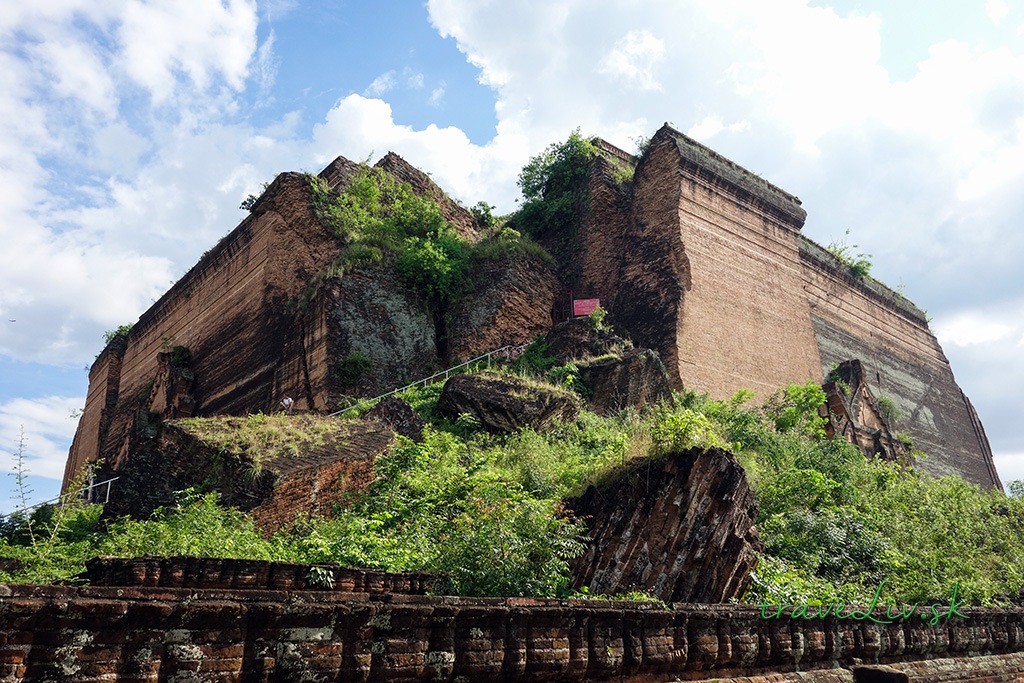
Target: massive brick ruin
x,y
713,273
696,258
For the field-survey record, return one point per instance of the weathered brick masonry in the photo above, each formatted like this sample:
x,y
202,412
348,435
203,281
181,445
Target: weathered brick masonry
x,y
157,634
716,277
263,319
697,259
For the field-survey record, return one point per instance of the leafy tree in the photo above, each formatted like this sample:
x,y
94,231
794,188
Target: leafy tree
x,y
553,184
435,265
483,213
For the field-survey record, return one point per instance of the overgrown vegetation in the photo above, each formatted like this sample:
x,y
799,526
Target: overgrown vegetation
x,y
352,367
888,409
553,184
120,331
377,217
486,510
263,438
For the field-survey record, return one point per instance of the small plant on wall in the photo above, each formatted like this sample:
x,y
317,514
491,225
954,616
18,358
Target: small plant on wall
x,y
888,409
857,264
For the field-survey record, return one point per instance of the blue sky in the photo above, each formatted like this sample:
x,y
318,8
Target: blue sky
x,y
133,129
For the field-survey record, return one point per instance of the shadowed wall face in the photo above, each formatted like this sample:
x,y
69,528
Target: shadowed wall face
x,y
231,311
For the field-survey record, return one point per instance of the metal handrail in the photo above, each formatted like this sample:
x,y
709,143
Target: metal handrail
x,y
509,351
82,493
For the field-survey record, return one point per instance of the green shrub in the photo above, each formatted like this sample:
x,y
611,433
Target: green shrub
x,y
504,542
506,243
352,368
195,525
435,266
797,408
376,214
482,212
568,376
553,184
535,360
596,318
888,409
858,265
682,429
121,331
180,356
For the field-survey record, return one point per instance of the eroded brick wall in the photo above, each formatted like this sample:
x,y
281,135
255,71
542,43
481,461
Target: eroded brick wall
x,y
155,634
716,277
510,303
902,360
655,278
231,311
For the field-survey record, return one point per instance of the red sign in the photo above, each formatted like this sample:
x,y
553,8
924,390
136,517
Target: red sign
x,y
584,306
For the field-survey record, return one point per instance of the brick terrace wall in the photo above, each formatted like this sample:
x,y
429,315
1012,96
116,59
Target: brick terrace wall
x,y
165,634
901,360
213,572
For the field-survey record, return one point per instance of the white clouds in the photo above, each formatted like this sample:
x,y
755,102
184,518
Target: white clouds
x,y
414,80
266,64
78,73
437,95
711,126
996,10
810,69
632,60
382,84
48,426
389,80
922,170
93,182
361,127
127,145
971,328
200,39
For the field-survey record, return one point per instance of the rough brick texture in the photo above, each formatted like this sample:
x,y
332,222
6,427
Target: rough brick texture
x,y
509,302
733,314
854,414
274,492
680,528
696,258
261,321
213,572
902,360
506,403
229,309
715,276
160,634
